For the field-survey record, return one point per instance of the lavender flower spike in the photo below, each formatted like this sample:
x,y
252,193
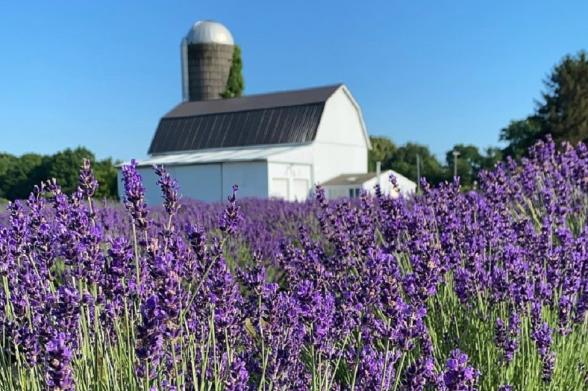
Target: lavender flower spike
x,y
229,221
135,194
170,189
88,182
59,371
458,376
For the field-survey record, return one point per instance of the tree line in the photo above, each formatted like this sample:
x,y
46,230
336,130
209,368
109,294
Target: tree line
x,y
562,112
18,174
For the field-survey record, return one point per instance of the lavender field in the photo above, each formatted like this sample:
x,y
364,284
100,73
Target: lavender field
x,y
448,290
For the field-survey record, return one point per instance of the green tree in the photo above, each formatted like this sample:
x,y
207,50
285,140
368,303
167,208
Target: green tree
x,y
491,157
383,149
564,110
471,161
20,175
235,83
64,166
520,135
404,161
106,175
7,161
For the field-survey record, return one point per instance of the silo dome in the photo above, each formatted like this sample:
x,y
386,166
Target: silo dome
x,y
208,31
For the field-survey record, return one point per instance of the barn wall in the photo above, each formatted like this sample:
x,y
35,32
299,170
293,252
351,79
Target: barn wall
x,y
251,177
300,154
200,182
290,181
331,160
340,146
341,122
338,191
211,182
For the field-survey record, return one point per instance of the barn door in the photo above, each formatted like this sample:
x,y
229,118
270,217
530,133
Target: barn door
x,y
280,188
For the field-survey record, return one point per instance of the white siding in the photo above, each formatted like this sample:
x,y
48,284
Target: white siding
x,y
207,182
342,122
201,182
340,146
287,171
337,191
406,186
333,160
300,189
251,177
279,188
290,181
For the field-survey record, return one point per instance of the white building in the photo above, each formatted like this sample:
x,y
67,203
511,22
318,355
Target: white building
x,y
271,145
352,185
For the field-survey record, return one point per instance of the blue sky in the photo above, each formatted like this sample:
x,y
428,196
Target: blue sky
x,y
101,74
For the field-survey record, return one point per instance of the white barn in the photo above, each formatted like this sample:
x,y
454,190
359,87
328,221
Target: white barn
x,y
271,145
278,144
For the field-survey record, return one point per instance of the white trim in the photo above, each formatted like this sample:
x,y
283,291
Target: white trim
x,y
217,155
257,146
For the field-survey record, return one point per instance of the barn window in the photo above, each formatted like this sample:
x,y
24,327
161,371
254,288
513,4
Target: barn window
x,y
354,192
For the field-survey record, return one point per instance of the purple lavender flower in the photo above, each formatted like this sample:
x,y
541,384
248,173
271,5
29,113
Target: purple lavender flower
x,y
548,367
238,377
88,183
150,337
135,195
507,336
420,374
542,335
170,189
230,219
58,362
457,374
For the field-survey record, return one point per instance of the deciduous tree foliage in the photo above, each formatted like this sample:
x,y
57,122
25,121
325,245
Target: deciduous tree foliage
x,y
520,135
382,149
564,110
18,175
403,159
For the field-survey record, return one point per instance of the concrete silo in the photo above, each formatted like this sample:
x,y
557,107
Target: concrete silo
x,y
207,54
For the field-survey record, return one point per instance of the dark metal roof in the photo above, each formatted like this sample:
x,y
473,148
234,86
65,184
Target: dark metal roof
x,y
290,117
350,179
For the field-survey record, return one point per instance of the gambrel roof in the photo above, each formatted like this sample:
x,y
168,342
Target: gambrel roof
x,y
290,117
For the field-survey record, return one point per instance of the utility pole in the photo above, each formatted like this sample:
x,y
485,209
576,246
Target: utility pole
x,y
418,161
455,156
379,172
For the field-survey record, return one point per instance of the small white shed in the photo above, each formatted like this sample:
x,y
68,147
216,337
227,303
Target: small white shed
x,y
352,185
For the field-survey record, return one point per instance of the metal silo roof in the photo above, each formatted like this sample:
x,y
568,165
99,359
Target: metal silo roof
x,y
208,31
